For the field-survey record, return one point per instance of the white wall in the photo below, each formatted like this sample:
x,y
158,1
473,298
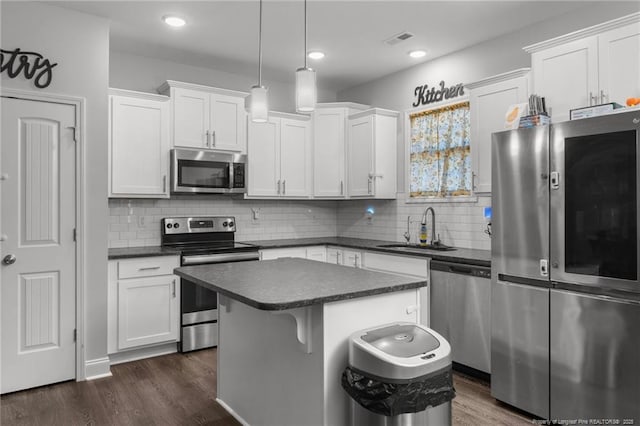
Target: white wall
x,y
133,72
79,43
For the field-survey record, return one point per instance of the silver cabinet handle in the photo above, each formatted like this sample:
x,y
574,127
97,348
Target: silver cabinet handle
x,y
207,142
284,188
592,99
278,186
473,180
213,138
9,259
173,292
355,262
148,268
602,95
369,185
341,187
338,257
164,183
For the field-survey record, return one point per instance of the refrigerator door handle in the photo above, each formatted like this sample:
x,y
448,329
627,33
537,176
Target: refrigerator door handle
x,y
544,267
555,180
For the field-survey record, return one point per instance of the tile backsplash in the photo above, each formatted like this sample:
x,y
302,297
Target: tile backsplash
x,y
136,222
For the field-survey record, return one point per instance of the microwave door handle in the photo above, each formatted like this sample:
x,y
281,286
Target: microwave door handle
x,y
230,172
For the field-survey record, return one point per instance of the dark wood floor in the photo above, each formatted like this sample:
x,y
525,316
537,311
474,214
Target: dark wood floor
x,y
179,389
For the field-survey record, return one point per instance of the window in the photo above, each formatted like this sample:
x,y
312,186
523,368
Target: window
x,y
440,160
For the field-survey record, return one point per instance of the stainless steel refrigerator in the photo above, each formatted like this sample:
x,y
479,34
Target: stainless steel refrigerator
x,y
565,327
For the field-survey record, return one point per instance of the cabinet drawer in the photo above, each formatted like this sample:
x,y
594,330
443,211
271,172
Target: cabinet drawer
x,y
396,264
147,266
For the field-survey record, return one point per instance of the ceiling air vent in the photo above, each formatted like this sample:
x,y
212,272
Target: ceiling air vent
x,y
398,38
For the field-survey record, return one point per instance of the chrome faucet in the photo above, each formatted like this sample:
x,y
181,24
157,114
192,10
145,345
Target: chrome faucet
x,y
433,240
407,234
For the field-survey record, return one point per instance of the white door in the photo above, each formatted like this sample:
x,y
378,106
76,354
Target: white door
x,y
191,118
264,158
38,217
227,123
294,158
360,158
328,152
567,76
619,57
139,130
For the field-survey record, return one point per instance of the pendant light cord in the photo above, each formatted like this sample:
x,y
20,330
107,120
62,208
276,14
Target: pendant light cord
x,y
305,33
260,47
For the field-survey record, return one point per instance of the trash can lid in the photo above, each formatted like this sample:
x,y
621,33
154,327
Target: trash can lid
x,y
402,340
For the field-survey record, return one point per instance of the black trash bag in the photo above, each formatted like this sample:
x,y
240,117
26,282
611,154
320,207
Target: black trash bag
x,y
408,396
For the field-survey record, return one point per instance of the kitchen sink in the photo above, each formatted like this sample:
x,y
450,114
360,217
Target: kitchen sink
x,y
438,247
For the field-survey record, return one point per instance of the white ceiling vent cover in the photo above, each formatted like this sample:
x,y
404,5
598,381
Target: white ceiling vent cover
x,y
400,37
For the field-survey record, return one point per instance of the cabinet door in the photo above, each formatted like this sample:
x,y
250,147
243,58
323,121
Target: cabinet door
x,y
264,158
294,158
270,254
360,156
334,255
190,118
328,152
228,120
317,253
567,76
352,258
147,311
488,107
139,148
619,64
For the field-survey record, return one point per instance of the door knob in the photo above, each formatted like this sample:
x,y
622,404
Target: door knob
x,y
9,259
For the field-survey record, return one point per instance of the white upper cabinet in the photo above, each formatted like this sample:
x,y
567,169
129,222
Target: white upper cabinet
x,y
371,154
138,144
489,99
279,154
599,64
207,117
329,148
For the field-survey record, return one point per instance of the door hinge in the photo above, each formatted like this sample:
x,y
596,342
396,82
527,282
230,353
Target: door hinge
x,y
75,334
75,234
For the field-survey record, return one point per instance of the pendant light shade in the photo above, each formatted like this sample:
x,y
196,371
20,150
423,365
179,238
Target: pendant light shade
x,y
258,100
259,104
306,93
306,89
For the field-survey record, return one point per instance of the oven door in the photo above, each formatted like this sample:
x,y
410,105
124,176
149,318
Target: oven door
x,y
198,303
594,202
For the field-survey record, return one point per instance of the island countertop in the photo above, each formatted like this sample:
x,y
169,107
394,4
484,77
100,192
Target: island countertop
x,y
288,283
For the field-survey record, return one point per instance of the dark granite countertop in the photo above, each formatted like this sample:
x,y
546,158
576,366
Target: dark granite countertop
x,y
150,251
292,283
460,255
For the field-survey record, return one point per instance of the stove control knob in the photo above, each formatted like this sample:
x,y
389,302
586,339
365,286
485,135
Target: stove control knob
x,y
169,225
224,224
231,224
177,225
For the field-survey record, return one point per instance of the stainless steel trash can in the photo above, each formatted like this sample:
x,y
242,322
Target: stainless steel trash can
x,y
396,368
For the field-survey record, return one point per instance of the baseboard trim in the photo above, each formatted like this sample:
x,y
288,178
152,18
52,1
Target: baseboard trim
x,y
97,368
142,353
233,413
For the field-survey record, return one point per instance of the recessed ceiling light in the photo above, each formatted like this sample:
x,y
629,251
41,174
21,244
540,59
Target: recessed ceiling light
x,y
173,21
417,53
316,55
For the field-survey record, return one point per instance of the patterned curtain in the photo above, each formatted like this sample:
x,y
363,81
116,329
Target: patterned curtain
x,y
440,160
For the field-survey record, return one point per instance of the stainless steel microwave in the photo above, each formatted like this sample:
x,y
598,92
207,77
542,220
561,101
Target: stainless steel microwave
x,y
196,171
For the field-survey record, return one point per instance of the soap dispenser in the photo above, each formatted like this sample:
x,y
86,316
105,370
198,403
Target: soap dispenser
x,y
423,233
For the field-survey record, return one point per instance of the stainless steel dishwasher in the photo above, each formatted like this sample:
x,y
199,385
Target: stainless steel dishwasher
x,y
461,311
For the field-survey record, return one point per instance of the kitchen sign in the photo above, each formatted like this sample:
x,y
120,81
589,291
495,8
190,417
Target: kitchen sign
x,y
426,95
33,65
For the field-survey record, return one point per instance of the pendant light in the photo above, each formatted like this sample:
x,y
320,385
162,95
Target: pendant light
x,y
306,91
258,101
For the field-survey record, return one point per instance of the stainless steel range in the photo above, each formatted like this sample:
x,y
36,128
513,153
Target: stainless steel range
x,y
202,240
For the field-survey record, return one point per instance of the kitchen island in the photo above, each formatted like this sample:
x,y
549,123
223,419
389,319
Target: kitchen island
x,y
283,331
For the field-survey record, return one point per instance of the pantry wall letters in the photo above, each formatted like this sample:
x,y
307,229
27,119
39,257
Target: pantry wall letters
x,y
33,65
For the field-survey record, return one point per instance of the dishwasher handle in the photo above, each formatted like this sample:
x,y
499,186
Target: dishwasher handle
x,y
461,269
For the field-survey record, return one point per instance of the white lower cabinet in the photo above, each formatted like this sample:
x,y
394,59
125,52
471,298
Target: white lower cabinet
x,y
143,302
417,267
318,253
345,257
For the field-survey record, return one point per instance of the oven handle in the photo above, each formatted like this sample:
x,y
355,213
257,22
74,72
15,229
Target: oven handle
x,y
218,258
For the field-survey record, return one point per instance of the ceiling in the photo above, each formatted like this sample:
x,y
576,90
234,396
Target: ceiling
x,y
224,34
